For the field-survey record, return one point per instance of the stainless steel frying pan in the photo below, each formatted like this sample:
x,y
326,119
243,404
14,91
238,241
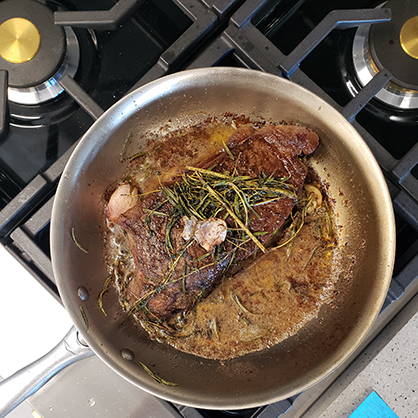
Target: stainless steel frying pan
x,y
365,216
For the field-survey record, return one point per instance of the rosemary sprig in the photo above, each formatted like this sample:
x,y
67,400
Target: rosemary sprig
x,y
201,258
137,155
104,290
156,377
235,298
297,228
236,219
183,279
76,242
86,321
228,151
311,256
175,262
141,302
292,236
209,172
168,243
156,212
204,194
151,212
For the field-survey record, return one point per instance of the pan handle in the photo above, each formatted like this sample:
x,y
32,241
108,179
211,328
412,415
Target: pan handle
x,y
25,382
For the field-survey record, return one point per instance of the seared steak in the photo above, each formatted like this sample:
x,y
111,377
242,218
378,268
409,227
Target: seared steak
x,y
175,269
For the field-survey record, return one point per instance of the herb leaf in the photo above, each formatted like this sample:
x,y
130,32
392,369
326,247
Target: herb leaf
x,y
77,243
104,290
156,377
86,321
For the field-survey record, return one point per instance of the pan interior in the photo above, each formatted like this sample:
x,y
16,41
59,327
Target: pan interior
x,y
364,215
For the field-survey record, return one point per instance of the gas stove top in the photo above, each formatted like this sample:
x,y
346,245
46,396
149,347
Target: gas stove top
x,y
361,58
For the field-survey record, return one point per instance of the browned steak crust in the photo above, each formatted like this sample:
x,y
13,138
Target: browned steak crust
x,y
171,278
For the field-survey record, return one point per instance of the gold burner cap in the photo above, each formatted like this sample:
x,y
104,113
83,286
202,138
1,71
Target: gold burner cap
x,y
19,40
409,37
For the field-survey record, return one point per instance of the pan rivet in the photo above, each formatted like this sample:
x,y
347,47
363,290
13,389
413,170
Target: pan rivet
x,y
83,293
127,354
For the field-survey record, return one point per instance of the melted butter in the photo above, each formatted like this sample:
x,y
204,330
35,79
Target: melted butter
x,y
164,158
219,133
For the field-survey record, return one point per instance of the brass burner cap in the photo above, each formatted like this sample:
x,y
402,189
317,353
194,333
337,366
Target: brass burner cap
x,y
409,37
19,40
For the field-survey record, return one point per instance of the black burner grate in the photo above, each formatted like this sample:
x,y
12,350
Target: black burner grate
x,y
256,36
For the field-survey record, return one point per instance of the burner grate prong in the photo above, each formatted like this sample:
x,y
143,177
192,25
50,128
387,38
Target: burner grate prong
x,y
380,80
99,19
4,125
337,18
81,97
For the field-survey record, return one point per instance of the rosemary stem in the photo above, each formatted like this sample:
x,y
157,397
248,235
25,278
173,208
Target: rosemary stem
x,y
237,220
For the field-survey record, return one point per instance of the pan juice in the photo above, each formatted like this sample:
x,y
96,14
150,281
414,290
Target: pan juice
x,y
270,297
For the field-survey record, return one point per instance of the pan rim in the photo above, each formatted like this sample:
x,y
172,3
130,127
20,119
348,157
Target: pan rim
x,y
117,115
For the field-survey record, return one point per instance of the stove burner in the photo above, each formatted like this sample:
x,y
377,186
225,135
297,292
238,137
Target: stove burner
x,y
384,45
50,88
20,40
409,37
35,63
